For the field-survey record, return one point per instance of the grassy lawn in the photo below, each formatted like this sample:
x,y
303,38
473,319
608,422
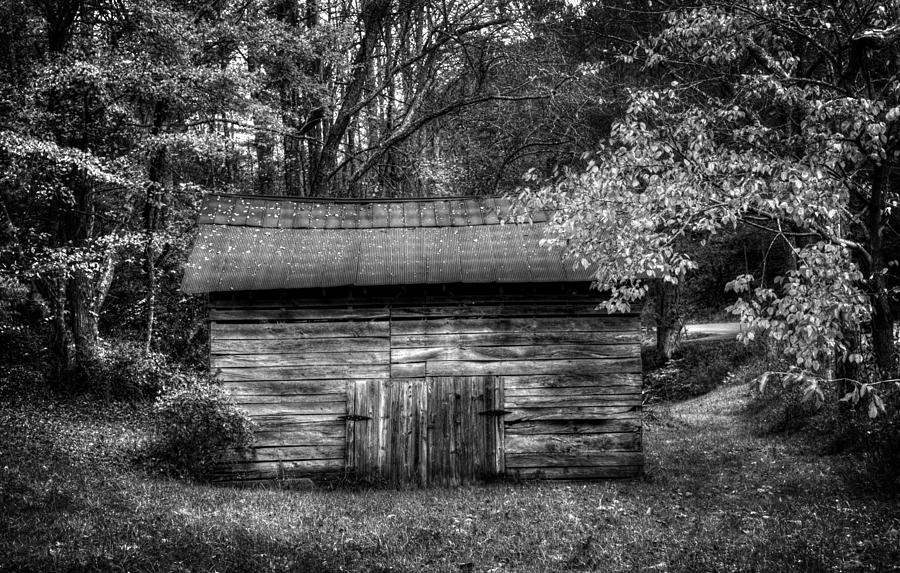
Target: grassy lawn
x,y
716,497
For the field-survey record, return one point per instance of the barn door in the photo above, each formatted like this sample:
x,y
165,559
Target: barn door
x,y
443,430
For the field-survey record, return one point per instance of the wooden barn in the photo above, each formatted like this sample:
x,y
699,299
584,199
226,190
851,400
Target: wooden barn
x,y
419,341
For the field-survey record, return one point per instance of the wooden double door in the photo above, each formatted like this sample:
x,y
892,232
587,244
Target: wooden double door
x,y
441,430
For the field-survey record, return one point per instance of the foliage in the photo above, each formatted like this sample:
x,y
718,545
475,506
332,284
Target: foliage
x,y
810,312
196,426
760,120
124,371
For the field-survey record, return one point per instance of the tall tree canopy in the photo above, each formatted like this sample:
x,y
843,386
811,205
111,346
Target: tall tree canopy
x,y
783,115
115,116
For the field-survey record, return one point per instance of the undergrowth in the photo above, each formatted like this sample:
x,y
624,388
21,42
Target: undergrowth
x,y
699,367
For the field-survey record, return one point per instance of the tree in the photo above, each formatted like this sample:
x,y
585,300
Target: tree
x,y
783,115
104,106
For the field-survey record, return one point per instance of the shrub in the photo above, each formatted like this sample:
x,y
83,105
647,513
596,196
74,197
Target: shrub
x,y
196,426
124,371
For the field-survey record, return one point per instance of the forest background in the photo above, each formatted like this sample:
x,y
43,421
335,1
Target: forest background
x,y
685,143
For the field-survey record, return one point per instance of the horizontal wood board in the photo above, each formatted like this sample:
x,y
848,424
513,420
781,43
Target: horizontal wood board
x,y
571,377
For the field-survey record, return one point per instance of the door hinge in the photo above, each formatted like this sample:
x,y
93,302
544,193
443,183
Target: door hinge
x,y
354,417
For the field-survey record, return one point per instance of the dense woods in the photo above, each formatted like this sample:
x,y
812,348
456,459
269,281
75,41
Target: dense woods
x,y
684,147
117,116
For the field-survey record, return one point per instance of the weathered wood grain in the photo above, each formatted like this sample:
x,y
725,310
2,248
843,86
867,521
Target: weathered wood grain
x,y
336,372
287,421
573,443
531,338
476,325
482,310
287,398
298,345
300,359
514,367
572,460
542,352
572,413
261,330
322,434
604,400
289,313
530,428
559,381
573,391
297,408
409,370
286,387
288,452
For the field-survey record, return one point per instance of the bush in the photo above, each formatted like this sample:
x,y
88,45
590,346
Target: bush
x,y
196,426
123,371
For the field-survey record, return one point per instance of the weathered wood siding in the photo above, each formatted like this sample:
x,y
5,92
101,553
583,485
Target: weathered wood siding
x,y
405,387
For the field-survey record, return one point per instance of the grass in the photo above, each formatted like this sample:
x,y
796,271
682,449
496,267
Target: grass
x,y
717,497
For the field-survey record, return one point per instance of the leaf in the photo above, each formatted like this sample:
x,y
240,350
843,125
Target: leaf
x,y
763,380
878,403
873,410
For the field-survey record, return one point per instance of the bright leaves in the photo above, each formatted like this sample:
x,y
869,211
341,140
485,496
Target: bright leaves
x,y
779,115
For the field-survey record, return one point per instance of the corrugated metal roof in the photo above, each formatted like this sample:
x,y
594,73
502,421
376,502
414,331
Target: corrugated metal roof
x,y
305,213
248,243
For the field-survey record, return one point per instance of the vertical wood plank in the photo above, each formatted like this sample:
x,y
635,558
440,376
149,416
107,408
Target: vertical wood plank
x,y
350,462
500,427
422,431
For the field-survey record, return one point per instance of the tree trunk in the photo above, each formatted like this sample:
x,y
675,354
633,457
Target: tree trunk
x,y
882,315
374,13
845,372
883,329
668,319
292,145
54,292
83,318
263,143
158,192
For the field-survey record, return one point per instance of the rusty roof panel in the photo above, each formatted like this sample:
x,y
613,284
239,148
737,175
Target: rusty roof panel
x,y
509,246
312,213
364,218
379,215
442,214
471,255
270,218
458,216
442,263
333,215
253,243
255,258
285,214
372,257
316,216
474,211
544,264
350,216
411,214
426,212
300,219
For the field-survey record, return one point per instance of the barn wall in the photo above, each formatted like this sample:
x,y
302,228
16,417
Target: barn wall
x,y
571,375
